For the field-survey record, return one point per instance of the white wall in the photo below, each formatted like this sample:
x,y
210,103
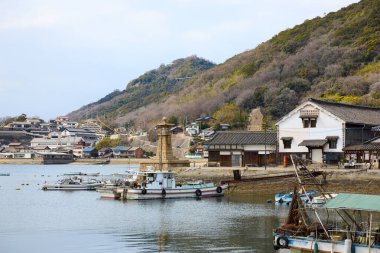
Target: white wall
x,y
292,126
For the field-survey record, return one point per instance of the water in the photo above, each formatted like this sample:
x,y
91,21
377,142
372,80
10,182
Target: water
x,y
32,220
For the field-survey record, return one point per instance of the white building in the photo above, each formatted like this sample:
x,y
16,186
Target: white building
x,y
319,130
57,143
193,129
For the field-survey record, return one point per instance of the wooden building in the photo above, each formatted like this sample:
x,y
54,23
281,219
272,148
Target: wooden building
x,y
242,148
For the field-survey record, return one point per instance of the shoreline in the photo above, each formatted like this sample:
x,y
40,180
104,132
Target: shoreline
x,y
338,180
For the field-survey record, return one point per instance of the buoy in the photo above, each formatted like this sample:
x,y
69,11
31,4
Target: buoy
x,y
315,247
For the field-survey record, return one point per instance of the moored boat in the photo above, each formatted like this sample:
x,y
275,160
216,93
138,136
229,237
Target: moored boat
x,y
288,197
353,230
162,185
72,184
343,225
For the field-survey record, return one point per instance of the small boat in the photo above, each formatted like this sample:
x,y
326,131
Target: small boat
x,y
82,174
101,162
162,185
5,174
73,183
288,197
322,199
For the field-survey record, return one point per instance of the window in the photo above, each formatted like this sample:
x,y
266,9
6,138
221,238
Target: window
x,y
332,143
313,122
305,123
309,122
287,144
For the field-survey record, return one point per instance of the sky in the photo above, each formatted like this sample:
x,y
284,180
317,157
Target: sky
x,y
58,55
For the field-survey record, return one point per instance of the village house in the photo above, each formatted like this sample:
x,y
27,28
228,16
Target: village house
x,y
120,152
105,152
176,130
70,142
135,152
88,136
92,126
319,130
241,148
192,129
90,152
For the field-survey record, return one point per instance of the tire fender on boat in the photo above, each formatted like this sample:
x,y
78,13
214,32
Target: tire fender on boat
x,y
219,189
163,193
143,191
198,192
282,242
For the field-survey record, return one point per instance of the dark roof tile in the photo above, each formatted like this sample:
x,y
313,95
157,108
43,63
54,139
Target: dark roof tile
x,y
351,113
243,138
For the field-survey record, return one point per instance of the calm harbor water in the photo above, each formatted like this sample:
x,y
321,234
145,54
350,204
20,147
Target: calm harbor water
x,y
32,220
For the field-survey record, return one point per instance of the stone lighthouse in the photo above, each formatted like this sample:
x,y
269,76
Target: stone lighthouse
x,y
164,159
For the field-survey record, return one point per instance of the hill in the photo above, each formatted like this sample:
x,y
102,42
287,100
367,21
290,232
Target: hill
x,y
151,87
335,58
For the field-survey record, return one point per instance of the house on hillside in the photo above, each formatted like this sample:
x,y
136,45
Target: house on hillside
x,y
241,148
88,136
193,129
176,130
58,143
90,152
319,130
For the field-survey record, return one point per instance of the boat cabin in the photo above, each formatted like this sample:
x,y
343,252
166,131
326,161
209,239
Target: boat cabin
x,y
158,180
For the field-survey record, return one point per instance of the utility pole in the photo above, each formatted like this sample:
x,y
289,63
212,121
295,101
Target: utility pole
x,y
265,145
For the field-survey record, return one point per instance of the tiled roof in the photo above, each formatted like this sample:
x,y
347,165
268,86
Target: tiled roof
x,y
243,138
313,143
79,130
351,113
369,146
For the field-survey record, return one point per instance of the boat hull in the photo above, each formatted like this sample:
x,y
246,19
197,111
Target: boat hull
x,y
307,244
148,194
58,187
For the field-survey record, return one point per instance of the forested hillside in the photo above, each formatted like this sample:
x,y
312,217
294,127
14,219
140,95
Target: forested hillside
x,y
149,88
335,58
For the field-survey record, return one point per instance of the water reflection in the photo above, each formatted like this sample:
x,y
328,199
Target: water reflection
x,y
81,222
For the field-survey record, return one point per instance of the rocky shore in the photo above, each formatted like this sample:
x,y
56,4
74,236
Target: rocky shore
x,y
338,180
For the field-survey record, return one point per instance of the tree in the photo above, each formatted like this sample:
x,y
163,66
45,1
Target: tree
x,y
232,115
173,120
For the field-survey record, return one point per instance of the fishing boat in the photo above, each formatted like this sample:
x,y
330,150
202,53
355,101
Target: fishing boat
x,y
345,224
115,186
288,197
72,184
162,185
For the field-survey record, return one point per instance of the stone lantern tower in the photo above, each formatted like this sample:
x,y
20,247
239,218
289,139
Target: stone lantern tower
x,y
164,158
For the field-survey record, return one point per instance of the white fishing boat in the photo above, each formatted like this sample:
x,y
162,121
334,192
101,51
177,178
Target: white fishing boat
x,y
72,184
162,185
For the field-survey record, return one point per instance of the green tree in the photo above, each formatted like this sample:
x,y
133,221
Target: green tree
x,y
232,115
173,120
